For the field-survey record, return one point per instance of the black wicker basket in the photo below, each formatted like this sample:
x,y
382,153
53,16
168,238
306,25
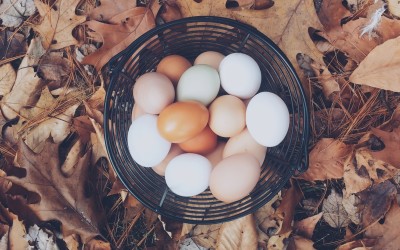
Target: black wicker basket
x,y
189,37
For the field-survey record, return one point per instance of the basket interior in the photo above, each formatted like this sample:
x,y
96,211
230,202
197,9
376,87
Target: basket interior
x,y
190,37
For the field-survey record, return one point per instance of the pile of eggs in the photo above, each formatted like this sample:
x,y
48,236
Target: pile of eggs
x,y
206,125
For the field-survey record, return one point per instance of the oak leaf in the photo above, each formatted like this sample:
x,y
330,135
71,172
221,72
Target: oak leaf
x,y
121,31
326,160
12,12
61,198
306,226
286,23
333,211
110,8
7,78
57,23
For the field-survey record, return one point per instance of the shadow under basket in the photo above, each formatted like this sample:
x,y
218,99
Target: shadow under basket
x,y
189,37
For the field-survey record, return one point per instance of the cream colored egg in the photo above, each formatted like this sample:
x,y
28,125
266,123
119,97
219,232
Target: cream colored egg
x,y
211,58
244,143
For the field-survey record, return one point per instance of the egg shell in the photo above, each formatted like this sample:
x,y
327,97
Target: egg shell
x,y
181,121
199,83
267,119
227,116
235,177
153,92
240,75
145,143
245,143
173,67
173,152
210,58
203,143
216,155
137,111
188,174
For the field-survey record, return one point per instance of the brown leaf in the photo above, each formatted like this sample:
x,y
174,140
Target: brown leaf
x,y
327,81
331,14
326,160
355,179
350,204
333,211
123,29
83,127
391,141
7,78
16,235
238,234
394,7
53,66
266,224
301,243
206,235
290,21
72,160
249,4
63,199
306,226
110,8
357,243
133,208
379,68
376,201
96,244
278,242
57,23
169,11
387,232
26,85
12,45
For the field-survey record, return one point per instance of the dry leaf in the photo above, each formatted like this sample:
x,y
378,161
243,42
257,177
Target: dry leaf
x,y
387,232
285,212
329,85
72,242
27,83
7,78
238,234
326,160
333,211
12,12
301,243
290,21
12,45
206,235
169,11
394,7
355,179
123,29
4,241
57,23
41,239
110,8
306,226
391,141
249,4
72,160
376,201
16,235
356,244
379,68
54,66
350,203
266,225
278,242
83,127
62,199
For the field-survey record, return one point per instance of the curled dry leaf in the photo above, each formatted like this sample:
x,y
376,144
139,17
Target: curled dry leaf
x,y
73,156
123,29
12,45
326,160
333,211
394,7
329,85
386,233
110,8
63,199
58,21
7,78
306,226
379,68
26,84
12,12
169,11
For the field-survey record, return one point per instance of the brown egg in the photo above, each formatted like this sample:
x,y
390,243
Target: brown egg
x,y
202,143
182,121
216,155
227,116
234,177
174,151
173,67
211,58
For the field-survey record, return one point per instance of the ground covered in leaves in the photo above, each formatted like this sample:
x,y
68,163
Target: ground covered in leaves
x,y
59,191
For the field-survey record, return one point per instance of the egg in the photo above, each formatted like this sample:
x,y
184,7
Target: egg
x,y
267,119
188,174
216,155
227,116
210,58
240,75
199,83
245,143
202,143
137,111
173,152
153,92
181,121
234,177
145,143
173,67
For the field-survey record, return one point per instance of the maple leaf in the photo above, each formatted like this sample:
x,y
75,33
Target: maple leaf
x,y
333,211
61,198
58,22
286,23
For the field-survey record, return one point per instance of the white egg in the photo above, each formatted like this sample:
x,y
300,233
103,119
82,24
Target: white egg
x,y
188,174
267,119
240,75
145,143
199,83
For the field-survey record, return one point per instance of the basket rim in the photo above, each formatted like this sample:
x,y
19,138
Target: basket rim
x,y
116,66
